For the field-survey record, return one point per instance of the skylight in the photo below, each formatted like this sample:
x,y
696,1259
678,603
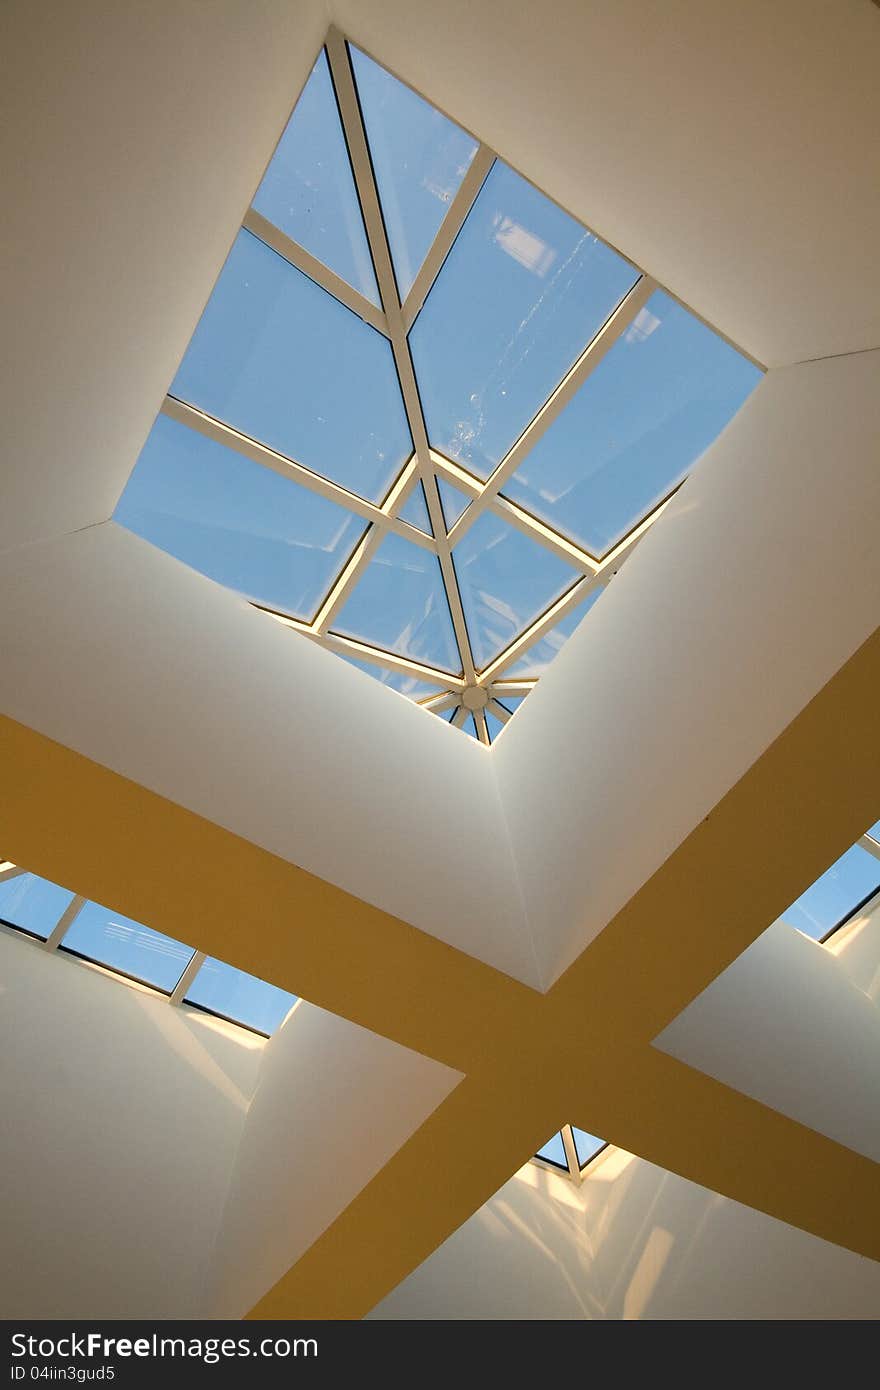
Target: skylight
x,y
570,1150
76,927
426,414
850,883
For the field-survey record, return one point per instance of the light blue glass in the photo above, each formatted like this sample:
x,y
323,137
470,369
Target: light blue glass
x,y
400,604
494,725
449,714
118,942
415,510
854,877
506,581
243,998
279,359
535,661
554,1151
587,1145
420,158
523,291
454,503
638,424
469,726
395,680
308,189
236,521
33,904
874,832
510,702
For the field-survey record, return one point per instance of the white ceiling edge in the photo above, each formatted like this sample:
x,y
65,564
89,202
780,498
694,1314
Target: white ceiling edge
x,y
760,580
786,1025
730,150
132,139
634,1241
115,649
311,1143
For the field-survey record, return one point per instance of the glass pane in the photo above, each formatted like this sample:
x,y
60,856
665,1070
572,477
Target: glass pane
x,y
236,521
494,725
415,510
535,661
395,680
454,503
279,359
400,604
554,1151
635,428
33,904
116,941
511,702
469,726
874,832
308,189
587,1145
449,714
522,293
420,158
243,998
854,877
506,581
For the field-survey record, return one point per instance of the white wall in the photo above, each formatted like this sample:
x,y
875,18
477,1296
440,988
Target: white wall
x,y
333,1104
633,1242
260,731
121,1118
794,1025
667,684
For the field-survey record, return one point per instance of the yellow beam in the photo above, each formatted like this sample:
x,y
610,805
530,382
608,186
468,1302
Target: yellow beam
x,y
531,1061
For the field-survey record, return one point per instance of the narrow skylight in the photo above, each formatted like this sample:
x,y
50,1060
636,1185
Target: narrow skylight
x,y
571,1150
425,410
77,927
851,882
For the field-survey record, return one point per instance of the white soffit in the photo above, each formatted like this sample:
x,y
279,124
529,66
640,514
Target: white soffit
x,y
132,138
115,649
785,1025
730,149
761,580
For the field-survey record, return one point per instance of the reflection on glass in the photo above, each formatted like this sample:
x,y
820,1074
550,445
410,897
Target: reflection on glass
x,y
395,680
420,158
586,1145
454,503
33,904
840,890
522,293
534,662
415,510
279,359
635,428
116,941
308,189
236,521
221,989
400,604
554,1151
506,581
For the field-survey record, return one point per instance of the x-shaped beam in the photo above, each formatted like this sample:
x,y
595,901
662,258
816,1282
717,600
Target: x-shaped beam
x,y
581,1052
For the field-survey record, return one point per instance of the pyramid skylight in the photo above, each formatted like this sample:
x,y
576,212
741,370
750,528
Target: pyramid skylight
x,y
426,415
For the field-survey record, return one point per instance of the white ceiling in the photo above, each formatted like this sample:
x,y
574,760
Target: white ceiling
x,y
725,148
